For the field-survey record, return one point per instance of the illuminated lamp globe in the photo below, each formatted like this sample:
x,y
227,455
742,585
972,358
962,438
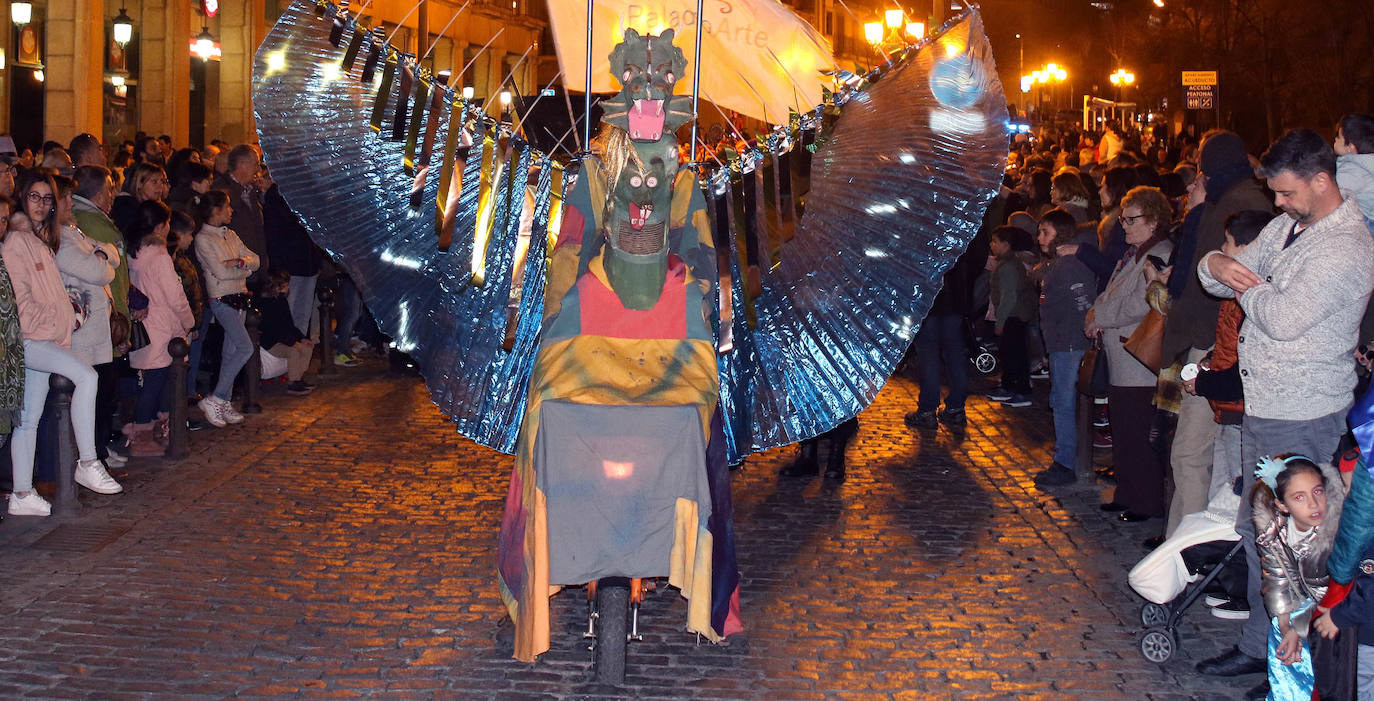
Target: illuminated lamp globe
x,y
123,29
205,44
21,13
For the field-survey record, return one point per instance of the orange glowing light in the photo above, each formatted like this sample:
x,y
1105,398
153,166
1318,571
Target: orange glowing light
x,y
617,470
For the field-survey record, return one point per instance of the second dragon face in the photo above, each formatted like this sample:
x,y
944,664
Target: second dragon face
x,y
644,197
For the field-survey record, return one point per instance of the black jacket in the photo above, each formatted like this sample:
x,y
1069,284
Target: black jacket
x,y
277,326
288,243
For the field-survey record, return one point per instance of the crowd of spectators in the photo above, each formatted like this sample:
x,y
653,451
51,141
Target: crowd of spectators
x,y
108,257
1251,277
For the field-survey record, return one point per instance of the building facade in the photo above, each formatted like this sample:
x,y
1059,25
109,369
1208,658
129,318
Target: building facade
x,y
63,73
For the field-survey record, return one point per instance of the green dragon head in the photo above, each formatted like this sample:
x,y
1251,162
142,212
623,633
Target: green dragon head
x,y
648,68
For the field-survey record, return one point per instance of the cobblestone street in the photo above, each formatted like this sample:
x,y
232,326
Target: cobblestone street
x,y
343,545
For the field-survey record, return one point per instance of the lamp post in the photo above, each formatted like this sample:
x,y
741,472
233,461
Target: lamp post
x,y
1050,75
1121,79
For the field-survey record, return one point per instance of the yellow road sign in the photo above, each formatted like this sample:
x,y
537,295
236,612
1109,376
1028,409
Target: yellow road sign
x,y
1199,77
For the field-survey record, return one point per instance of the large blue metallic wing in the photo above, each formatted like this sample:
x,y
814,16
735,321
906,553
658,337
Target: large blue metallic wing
x,y
897,192
349,187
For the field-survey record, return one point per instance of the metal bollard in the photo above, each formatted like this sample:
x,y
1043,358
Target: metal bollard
x,y
60,398
252,379
326,346
178,437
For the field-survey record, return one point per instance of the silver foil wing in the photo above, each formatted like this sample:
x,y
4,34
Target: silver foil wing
x,y
898,190
350,189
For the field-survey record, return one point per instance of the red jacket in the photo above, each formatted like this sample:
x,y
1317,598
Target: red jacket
x,y
1224,355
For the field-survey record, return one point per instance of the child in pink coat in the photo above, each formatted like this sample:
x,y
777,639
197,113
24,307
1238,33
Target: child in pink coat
x,y
169,316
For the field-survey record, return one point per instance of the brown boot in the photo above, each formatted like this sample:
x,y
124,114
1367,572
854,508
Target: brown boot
x,y
142,443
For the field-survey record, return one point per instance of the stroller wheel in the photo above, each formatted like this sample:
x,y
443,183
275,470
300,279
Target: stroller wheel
x,y
985,362
1152,615
1158,645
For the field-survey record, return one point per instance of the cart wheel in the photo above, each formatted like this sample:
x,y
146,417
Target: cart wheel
x,y
1158,645
613,610
1152,615
985,362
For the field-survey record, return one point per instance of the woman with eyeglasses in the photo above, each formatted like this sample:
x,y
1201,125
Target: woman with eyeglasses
x,y
146,181
46,320
1146,216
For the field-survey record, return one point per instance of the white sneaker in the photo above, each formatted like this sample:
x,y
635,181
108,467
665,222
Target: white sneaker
x,y
114,459
211,408
231,415
30,504
92,476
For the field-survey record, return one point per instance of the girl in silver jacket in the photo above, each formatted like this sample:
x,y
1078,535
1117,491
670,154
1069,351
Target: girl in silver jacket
x,y
1297,507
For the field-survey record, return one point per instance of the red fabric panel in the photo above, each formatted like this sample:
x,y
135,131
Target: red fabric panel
x,y
571,231
603,315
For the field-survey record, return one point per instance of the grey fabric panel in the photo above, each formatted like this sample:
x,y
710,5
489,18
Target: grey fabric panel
x,y
611,477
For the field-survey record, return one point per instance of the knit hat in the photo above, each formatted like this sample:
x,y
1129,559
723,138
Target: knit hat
x,y
1223,151
1023,221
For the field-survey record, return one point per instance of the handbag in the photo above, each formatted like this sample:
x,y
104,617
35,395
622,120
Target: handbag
x,y
138,336
1334,662
81,306
1093,379
1146,343
119,328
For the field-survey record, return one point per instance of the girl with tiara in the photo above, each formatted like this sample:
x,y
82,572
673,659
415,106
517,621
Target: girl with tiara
x,y
1295,524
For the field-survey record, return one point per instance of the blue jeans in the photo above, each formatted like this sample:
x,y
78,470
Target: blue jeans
x,y
941,341
193,360
1064,404
151,398
236,350
300,297
348,309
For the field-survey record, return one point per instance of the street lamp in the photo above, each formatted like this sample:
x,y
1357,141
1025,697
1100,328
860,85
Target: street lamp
x,y
21,13
893,33
1050,72
873,33
205,44
123,27
1122,77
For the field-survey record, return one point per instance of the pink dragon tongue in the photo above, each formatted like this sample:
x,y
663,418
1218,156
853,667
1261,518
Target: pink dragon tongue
x,y
638,214
646,120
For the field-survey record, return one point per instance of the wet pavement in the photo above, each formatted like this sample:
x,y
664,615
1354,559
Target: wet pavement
x,y
342,545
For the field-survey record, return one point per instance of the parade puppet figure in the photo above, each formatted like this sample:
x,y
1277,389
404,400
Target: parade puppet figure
x,y
612,476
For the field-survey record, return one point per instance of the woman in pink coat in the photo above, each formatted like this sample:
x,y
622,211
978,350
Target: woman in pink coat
x,y
47,320
169,316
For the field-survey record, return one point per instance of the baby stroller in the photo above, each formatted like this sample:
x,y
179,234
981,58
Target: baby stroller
x,y
982,352
1204,548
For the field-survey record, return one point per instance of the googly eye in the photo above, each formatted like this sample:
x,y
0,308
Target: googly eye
x,y
652,181
635,181
670,77
625,77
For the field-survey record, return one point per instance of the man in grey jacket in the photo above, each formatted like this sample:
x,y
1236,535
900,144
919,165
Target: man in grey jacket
x,y
1303,285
